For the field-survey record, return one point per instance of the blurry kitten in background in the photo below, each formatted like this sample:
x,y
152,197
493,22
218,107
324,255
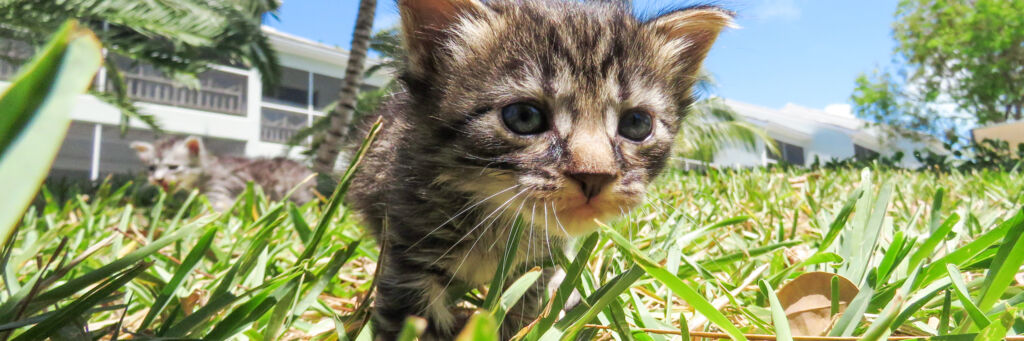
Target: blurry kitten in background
x,y
184,163
559,112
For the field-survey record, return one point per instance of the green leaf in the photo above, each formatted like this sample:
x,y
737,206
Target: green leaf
x,y
854,313
412,329
840,220
779,319
76,309
574,321
481,327
1005,264
339,193
301,227
960,289
504,266
685,291
35,116
79,283
515,292
927,248
186,267
572,276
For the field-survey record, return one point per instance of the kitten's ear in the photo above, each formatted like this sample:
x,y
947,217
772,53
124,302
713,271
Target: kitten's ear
x,y
143,149
426,24
691,32
194,145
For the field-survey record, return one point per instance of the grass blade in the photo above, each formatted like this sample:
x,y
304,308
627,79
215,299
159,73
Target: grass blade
x,y
35,116
77,308
339,193
673,282
779,319
481,327
1005,265
189,264
413,328
960,289
515,292
572,276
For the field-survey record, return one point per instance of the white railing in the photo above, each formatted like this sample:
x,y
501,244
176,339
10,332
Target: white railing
x,y
161,90
276,135
280,126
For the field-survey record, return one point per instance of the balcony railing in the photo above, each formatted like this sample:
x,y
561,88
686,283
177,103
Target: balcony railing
x,y
280,126
218,91
161,90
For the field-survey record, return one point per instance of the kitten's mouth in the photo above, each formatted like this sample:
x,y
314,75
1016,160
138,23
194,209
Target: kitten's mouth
x,y
163,184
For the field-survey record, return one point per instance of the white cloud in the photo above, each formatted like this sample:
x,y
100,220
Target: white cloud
x,y
785,10
839,109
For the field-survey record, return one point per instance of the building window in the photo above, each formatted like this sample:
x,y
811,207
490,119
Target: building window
x,y
862,153
279,126
292,89
791,153
325,90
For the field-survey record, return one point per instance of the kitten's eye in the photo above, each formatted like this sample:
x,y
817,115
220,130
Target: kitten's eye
x,y
635,125
172,167
152,168
524,119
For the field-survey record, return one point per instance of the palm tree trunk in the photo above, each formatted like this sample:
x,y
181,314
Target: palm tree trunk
x,y
342,115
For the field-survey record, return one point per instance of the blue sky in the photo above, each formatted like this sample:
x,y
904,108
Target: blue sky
x,y
805,52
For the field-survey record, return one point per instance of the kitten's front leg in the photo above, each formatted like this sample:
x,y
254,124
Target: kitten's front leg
x,y
407,288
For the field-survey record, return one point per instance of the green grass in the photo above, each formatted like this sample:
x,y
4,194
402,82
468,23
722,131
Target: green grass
x,y
701,249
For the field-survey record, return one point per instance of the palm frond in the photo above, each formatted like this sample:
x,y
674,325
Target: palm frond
x,y
711,125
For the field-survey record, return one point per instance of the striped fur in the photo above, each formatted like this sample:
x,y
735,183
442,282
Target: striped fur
x,y
184,163
446,178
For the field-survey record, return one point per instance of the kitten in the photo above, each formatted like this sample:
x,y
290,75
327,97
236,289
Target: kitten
x,y
175,163
559,112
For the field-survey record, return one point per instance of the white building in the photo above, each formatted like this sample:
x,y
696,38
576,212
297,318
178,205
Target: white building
x,y
237,115
803,134
232,110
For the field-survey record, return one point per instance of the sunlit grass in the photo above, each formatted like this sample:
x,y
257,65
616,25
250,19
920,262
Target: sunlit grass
x,y
696,251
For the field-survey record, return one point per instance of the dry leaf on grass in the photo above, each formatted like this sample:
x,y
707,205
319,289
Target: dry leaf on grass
x,y
807,301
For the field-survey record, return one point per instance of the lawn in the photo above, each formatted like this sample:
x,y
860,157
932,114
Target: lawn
x,y
932,253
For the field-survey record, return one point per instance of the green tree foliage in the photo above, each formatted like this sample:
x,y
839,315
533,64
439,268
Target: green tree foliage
x,y
180,38
966,53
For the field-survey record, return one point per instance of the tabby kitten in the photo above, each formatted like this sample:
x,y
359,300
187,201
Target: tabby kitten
x,y
176,163
559,112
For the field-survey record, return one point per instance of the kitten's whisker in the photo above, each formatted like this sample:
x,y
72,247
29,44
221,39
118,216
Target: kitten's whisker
x,y
554,212
470,232
451,279
514,218
459,214
629,220
471,247
547,236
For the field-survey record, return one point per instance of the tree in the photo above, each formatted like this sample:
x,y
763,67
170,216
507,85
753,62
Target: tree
x,y
342,116
966,54
180,38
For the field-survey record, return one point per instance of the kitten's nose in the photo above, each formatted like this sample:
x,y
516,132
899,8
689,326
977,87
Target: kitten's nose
x,y
591,183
